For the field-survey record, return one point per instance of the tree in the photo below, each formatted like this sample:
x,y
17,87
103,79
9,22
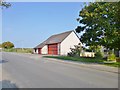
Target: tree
x,y
100,24
4,4
95,48
7,45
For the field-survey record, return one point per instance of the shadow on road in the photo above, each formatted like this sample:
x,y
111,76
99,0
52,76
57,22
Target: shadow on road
x,y
3,61
8,85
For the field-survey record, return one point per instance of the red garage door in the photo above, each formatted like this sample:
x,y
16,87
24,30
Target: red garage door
x,y
39,50
53,49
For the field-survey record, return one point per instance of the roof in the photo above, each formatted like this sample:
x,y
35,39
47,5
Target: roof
x,y
57,38
40,45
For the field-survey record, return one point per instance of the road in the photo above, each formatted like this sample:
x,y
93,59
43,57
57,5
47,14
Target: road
x,y
30,71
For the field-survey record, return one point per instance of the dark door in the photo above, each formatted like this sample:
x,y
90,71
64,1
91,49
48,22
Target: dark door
x,y
53,49
39,50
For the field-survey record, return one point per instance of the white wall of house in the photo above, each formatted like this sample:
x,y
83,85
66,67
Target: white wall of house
x,y
44,50
59,48
68,43
0,49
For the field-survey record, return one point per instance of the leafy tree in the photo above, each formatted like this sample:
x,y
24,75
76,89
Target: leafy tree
x,y
7,45
100,24
4,4
95,48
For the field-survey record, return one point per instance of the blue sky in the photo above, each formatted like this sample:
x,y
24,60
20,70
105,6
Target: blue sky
x,y
28,24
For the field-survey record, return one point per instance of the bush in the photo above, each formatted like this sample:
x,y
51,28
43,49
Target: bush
x,y
71,54
99,55
75,51
118,59
111,57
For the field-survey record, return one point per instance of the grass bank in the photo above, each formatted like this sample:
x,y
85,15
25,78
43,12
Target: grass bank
x,y
86,60
19,50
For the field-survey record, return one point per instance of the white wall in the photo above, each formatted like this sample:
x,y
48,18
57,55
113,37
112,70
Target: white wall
x,y
87,54
58,48
68,43
44,50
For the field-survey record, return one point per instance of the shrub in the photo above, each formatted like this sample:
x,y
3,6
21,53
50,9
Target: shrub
x,y
71,54
99,55
76,50
111,57
118,59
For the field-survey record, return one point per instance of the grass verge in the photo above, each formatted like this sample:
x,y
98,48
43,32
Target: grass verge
x,y
86,60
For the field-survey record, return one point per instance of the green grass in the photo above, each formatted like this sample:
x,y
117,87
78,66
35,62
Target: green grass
x,y
19,50
89,60
86,60
115,64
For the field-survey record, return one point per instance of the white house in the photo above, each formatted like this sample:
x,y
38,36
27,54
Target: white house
x,y
58,44
0,49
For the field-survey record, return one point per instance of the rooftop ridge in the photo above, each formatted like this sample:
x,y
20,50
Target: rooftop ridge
x,y
62,33
56,38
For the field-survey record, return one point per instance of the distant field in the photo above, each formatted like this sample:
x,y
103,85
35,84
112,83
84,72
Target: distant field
x,y
19,50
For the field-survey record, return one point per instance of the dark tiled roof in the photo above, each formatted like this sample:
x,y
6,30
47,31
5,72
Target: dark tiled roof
x,y
54,39
40,45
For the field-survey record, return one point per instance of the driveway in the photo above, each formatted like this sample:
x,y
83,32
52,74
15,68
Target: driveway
x,y
34,71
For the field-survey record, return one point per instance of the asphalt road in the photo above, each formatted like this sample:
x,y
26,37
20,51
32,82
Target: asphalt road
x,y
25,71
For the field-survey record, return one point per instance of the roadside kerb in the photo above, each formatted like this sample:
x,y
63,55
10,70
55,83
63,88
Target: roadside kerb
x,y
86,65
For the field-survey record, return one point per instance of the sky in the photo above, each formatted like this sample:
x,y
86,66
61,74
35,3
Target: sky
x,y
27,24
